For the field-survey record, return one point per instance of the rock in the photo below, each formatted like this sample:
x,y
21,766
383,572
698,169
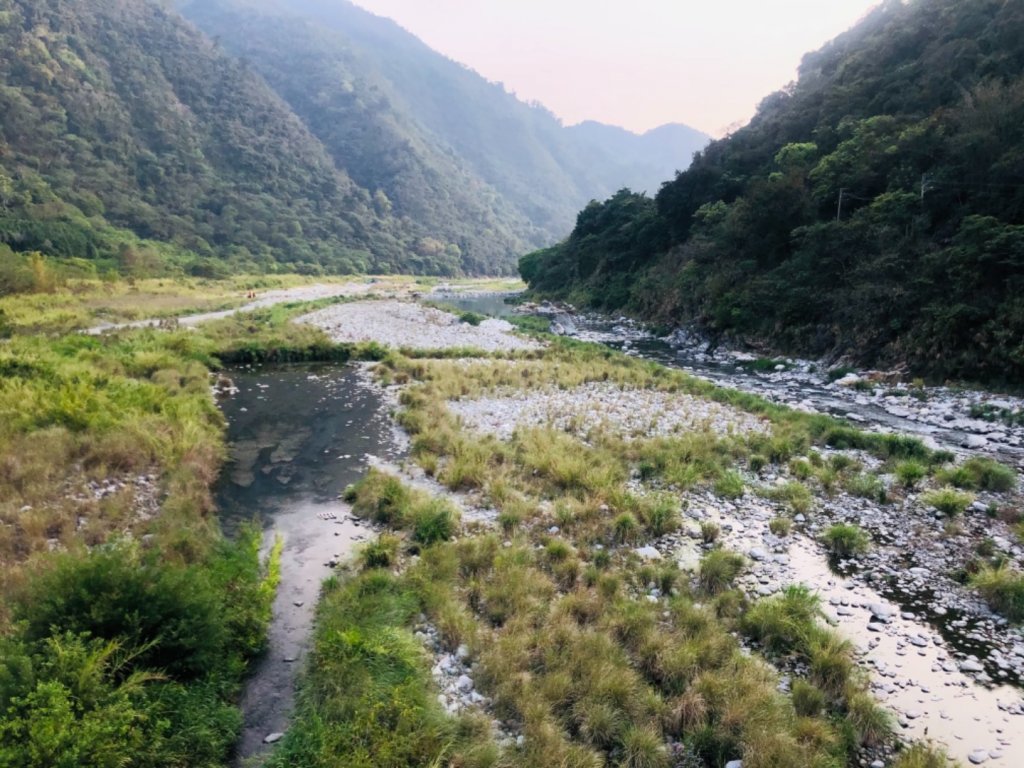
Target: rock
x,y
734,764
757,554
273,738
648,553
971,665
978,756
464,683
974,442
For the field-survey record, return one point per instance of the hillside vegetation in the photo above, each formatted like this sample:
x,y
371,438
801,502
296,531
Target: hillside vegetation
x,y
915,119
131,142
444,144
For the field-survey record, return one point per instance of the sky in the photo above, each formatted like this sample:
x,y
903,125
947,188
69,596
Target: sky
x,y
633,63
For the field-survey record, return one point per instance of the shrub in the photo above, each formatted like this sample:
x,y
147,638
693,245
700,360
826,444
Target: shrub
x,y
869,720
435,521
729,485
718,569
784,622
380,553
808,700
780,526
709,531
644,748
948,501
844,540
867,486
1003,588
381,497
172,615
795,495
979,474
910,473
661,516
625,529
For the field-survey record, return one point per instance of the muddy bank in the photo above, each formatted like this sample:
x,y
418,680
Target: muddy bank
x,y
297,436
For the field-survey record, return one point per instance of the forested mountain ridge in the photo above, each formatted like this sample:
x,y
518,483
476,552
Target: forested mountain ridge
x,y
132,141
875,207
434,114
122,115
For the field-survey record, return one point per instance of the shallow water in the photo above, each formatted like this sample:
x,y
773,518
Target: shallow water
x,y
297,436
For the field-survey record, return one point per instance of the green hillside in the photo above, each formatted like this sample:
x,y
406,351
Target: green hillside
x,y
436,137
915,118
120,121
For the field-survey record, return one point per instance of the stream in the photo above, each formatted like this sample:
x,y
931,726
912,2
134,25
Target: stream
x,y
297,436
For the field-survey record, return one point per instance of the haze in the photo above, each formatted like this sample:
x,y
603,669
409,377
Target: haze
x,y
637,64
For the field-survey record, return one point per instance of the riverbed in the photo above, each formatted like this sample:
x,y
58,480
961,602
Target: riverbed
x,y
297,436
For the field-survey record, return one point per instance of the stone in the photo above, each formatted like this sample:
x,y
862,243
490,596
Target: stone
x,y
978,756
273,738
464,683
648,553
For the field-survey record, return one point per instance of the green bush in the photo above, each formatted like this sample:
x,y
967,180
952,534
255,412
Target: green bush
x,y
948,501
718,570
808,700
844,540
780,526
979,474
910,473
785,622
172,617
1003,588
380,553
435,521
866,486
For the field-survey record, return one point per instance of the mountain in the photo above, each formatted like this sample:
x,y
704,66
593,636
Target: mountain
x,y
874,208
641,163
120,121
261,135
403,102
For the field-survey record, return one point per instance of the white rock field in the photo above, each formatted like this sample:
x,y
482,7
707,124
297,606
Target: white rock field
x,y
633,413
404,324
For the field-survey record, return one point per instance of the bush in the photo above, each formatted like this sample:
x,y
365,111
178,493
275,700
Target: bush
x,y
948,501
709,532
718,569
380,553
979,474
785,622
844,540
921,756
780,526
435,521
867,486
808,700
172,616
910,473
795,495
729,485
1003,589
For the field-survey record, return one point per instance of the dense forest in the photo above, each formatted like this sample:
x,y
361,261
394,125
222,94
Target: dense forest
x,y
124,116
873,208
133,143
439,140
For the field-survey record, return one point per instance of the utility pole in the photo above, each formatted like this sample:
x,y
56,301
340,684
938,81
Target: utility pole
x,y
839,207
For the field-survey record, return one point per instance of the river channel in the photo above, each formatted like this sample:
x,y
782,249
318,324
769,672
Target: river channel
x,y
297,436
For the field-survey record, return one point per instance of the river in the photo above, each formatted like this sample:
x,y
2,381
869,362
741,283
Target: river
x,y
297,436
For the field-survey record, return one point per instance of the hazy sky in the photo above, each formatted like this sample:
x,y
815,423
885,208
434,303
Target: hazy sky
x,y
634,63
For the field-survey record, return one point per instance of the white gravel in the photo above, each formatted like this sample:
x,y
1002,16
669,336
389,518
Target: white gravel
x,y
634,413
404,324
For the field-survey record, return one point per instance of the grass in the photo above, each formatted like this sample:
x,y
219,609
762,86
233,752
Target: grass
x,y
949,501
1003,588
780,526
797,496
910,472
979,474
844,540
718,569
